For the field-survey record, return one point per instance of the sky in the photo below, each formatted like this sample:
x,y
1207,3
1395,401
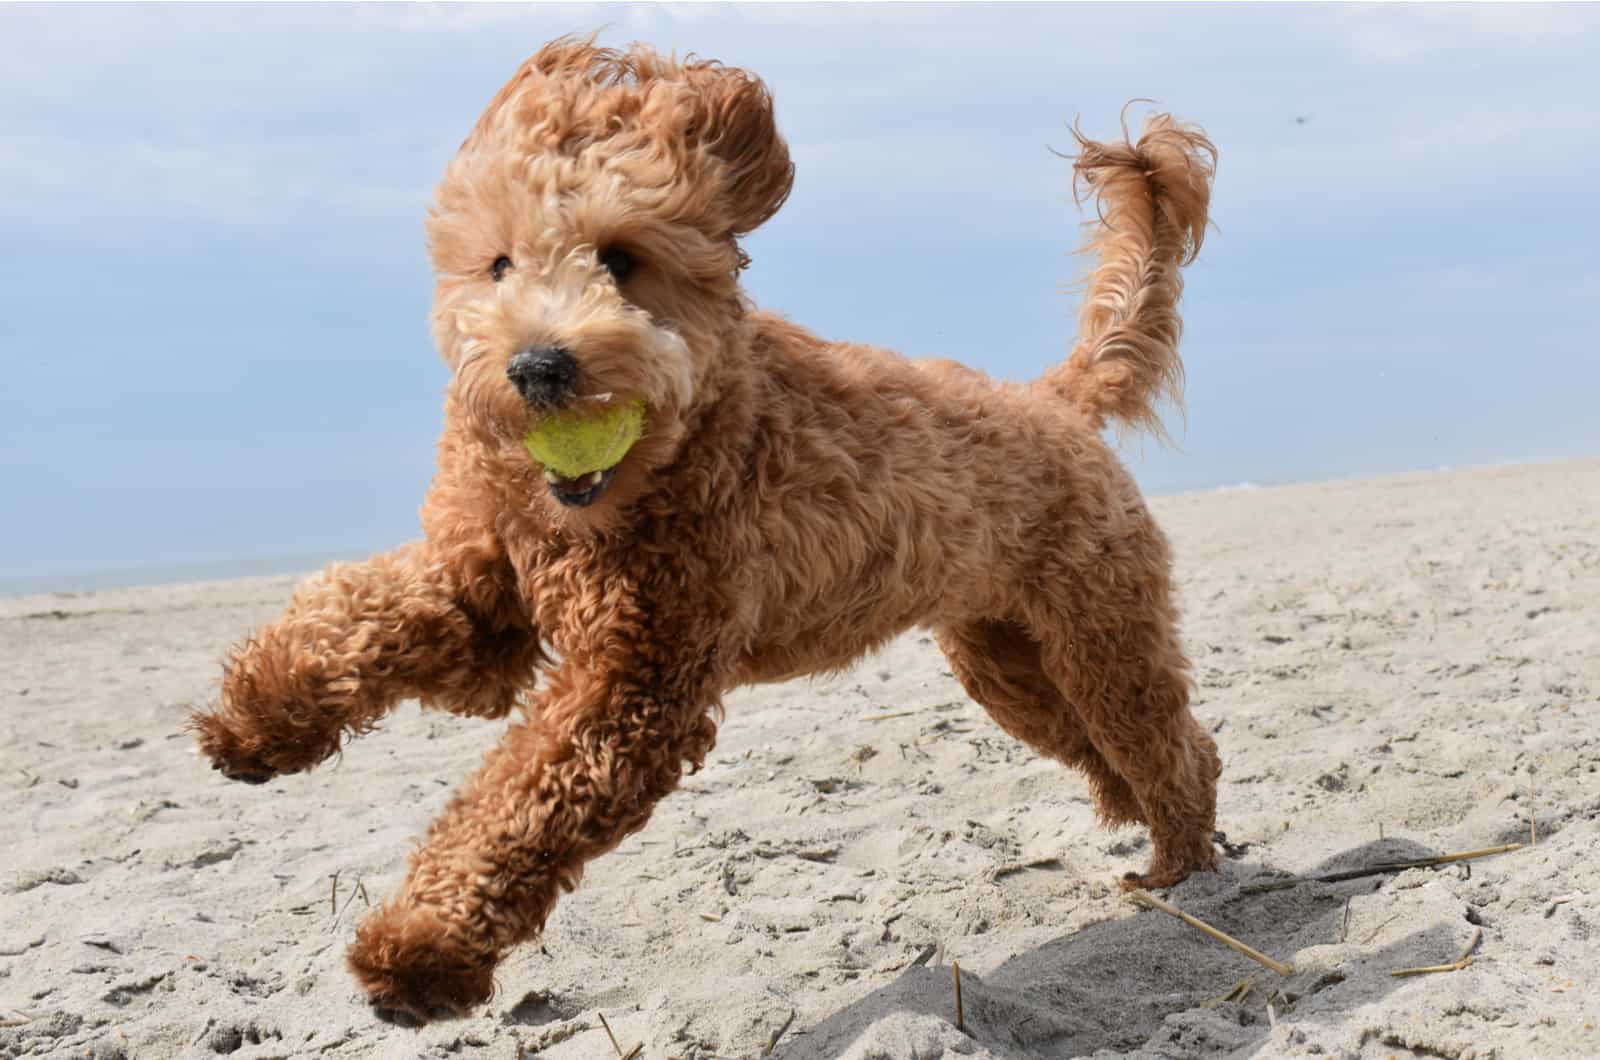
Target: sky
x,y
214,287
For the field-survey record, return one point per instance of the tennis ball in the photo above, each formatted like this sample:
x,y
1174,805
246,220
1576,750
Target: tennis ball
x,y
574,442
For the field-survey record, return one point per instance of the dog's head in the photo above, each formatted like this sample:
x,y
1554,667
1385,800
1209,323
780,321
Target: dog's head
x,y
585,243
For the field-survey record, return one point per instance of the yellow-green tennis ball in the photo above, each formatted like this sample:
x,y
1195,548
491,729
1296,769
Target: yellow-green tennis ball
x,y
575,442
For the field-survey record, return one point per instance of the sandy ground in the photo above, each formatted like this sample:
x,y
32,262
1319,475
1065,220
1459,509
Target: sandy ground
x,y
1393,669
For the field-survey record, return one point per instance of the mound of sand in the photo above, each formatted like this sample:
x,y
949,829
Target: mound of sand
x,y
1393,669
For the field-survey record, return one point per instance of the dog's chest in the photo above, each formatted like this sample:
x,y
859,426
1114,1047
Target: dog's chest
x,y
570,587
584,593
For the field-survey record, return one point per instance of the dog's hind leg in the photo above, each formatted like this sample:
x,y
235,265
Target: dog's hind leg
x,y
1114,653
998,664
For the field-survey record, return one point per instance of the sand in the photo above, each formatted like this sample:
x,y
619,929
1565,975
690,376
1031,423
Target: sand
x,y
1393,668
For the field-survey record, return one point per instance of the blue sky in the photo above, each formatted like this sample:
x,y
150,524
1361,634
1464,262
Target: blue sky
x,y
214,288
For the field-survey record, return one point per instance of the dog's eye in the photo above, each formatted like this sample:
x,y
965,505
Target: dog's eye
x,y
501,266
618,262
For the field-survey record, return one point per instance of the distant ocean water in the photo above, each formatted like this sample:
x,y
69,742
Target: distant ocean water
x,y
222,570
167,574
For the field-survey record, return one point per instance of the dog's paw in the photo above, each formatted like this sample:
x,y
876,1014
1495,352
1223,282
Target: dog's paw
x,y
1170,867
414,972
256,749
230,755
1150,881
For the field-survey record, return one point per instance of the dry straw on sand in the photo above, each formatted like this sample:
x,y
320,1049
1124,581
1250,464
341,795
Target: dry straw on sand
x,y
1146,898
1380,869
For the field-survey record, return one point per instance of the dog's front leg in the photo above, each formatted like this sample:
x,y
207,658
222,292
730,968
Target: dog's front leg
x,y
570,783
356,640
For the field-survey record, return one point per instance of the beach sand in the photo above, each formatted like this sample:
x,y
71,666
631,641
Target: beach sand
x,y
1392,668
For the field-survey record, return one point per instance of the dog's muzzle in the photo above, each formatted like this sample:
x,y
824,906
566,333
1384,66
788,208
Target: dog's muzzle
x,y
545,376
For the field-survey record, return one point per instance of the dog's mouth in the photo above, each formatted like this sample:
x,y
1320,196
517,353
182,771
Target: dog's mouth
x,y
582,491
581,446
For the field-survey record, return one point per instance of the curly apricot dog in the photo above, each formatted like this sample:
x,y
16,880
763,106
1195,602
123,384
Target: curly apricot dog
x,y
792,503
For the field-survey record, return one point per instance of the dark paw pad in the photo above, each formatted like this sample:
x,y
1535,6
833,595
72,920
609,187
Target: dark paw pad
x,y
398,1014
242,773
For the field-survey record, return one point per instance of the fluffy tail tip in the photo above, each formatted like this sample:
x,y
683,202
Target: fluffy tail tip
x,y
1175,160
1152,196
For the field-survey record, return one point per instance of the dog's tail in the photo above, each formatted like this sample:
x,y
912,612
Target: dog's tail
x,y
1152,197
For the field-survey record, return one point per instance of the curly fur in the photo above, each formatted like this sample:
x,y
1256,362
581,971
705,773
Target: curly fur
x,y
794,503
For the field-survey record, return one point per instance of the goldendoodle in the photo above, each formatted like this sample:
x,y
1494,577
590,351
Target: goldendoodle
x,y
790,504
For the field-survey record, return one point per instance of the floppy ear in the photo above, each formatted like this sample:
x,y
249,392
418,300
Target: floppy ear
x,y
734,122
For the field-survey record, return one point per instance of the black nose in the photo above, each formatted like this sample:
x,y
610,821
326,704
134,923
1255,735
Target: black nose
x,y
543,375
